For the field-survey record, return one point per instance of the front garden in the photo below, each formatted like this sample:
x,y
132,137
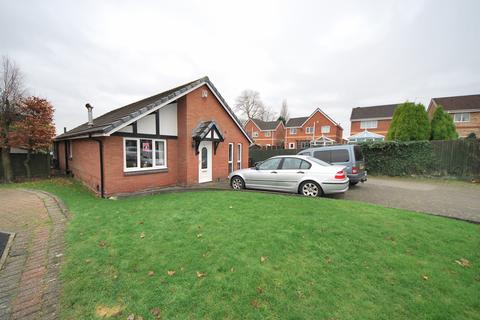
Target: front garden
x,y
248,255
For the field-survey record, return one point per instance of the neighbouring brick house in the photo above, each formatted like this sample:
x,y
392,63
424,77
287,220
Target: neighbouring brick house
x,y
266,133
183,136
374,119
465,111
316,129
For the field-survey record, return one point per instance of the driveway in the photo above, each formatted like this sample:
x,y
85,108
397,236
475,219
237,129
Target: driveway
x,y
455,199
29,286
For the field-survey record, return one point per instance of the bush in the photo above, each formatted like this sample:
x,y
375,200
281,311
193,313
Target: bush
x,y
442,126
398,158
409,123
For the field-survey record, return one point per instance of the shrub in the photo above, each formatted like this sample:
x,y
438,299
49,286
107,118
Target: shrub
x,y
409,123
442,126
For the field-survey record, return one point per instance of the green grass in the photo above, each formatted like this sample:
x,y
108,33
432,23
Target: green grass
x,y
325,259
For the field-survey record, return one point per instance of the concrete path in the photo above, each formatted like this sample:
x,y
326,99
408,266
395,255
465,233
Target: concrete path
x,y
454,199
29,285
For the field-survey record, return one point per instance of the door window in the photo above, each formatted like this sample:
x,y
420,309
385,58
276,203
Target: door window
x,y
204,158
271,164
291,163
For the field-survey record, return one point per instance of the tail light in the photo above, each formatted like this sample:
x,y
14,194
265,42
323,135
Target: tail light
x,y
354,170
340,175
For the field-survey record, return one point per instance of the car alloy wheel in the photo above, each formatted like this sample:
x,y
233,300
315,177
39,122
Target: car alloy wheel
x,y
237,183
310,189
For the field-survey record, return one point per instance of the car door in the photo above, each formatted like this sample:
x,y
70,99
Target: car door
x,y
291,173
264,176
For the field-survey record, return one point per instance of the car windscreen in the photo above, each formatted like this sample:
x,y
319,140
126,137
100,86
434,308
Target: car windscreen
x,y
317,161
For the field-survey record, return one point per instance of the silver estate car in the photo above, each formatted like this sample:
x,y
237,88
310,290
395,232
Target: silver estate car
x,y
298,174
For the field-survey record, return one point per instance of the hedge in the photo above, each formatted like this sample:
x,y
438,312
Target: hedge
x,y
458,158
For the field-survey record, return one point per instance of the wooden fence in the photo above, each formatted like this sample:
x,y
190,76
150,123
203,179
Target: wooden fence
x,y
39,165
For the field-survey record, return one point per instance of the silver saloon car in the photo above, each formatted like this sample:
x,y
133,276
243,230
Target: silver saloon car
x,y
297,174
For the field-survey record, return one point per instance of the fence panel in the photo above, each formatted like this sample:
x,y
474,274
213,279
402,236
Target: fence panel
x,y
39,165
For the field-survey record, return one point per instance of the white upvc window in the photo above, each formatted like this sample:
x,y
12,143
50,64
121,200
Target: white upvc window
x,y
141,154
368,124
230,157
309,130
291,145
293,130
239,156
461,117
268,133
255,134
325,129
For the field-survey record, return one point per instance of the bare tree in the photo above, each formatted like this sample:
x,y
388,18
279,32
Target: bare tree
x,y
250,106
284,114
11,92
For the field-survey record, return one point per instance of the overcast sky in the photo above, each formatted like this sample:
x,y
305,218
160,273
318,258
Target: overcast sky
x,y
328,54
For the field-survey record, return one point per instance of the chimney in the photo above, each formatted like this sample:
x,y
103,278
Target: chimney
x,y
90,115
64,129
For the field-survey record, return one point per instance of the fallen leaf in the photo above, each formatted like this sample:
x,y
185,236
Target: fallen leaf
x,y
201,274
140,222
232,270
151,273
463,262
231,207
259,290
156,313
171,273
199,235
102,244
263,259
425,278
88,260
107,312
131,317
255,304
142,235
328,260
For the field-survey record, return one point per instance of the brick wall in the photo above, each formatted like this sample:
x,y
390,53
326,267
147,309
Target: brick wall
x,y
382,127
465,128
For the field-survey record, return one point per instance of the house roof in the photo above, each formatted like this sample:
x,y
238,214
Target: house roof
x,y
266,125
384,111
299,122
107,123
459,102
296,122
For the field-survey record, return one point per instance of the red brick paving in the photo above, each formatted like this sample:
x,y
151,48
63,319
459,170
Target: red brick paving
x,y
29,285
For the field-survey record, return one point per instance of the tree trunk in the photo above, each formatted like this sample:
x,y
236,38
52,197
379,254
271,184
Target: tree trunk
x,y
26,163
7,165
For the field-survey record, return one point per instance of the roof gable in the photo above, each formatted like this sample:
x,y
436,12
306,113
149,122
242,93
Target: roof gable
x,y
266,125
114,120
300,122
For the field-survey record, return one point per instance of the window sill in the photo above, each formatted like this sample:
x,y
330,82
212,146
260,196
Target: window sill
x,y
142,172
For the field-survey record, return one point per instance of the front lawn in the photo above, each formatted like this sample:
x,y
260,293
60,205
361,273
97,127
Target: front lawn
x,y
246,255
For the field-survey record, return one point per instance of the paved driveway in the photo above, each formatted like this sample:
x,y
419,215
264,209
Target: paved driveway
x,y
447,198
29,286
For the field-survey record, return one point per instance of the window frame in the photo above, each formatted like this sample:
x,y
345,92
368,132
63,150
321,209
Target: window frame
x,y
239,156
290,144
323,129
462,117
293,130
268,134
373,124
308,130
138,167
230,158
255,134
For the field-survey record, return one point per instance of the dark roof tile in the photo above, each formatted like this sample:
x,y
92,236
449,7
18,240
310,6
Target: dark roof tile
x,y
459,102
385,111
266,125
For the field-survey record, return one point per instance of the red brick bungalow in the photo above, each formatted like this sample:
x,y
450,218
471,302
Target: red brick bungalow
x,y
266,133
183,136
